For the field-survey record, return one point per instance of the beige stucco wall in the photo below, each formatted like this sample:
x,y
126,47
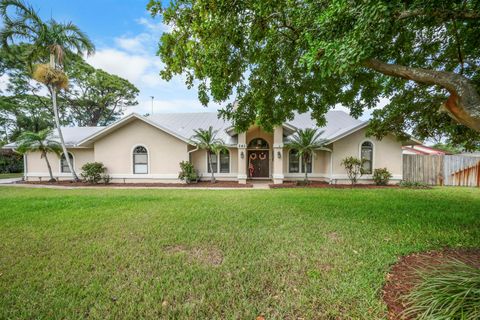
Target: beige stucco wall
x,y
387,153
37,167
165,152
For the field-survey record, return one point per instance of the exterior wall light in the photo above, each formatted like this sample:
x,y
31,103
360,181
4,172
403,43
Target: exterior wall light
x,y
242,155
279,155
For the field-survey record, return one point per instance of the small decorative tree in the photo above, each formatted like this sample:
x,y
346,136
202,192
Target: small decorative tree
x,y
207,140
41,142
354,168
306,142
187,173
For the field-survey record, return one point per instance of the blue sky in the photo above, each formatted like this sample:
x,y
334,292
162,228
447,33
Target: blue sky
x,y
126,39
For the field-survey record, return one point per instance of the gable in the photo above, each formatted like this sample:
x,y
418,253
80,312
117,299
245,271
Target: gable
x,y
125,122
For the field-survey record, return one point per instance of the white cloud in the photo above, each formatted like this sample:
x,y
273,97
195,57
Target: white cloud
x,y
151,25
124,64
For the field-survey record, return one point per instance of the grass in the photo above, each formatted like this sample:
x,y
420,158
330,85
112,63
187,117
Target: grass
x,y
10,175
285,254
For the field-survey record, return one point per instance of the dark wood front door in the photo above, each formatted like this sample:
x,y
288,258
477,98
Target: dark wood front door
x,y
258,164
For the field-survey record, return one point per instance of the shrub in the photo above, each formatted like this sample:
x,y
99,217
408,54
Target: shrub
x,y
450,291
187,173
10,162
106,178
381,176
354,168
413,184
93,172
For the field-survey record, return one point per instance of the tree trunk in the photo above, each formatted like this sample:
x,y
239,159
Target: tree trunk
x,y
212,179
44,154
57,124
463,105
305,168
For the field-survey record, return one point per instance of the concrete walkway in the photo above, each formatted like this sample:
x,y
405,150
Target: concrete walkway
x,y
10,181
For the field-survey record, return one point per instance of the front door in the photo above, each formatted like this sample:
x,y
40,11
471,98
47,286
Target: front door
x,y
258,164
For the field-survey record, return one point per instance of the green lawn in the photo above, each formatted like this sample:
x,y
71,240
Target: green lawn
x,y
287,254
10,175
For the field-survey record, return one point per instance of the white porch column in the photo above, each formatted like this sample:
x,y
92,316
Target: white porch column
x,y
278,155
242,158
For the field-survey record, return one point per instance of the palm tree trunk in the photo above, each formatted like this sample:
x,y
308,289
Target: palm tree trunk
x,y
305,168
212,179
57,123
48,166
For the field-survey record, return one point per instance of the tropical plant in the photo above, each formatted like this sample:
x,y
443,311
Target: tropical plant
x,y
381,176
354,168
305,142
48,39
42,142
207,140
187,172
94,172
448,291
282,56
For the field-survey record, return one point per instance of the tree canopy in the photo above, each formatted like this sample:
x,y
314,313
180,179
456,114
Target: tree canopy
x,y
278,57
96,97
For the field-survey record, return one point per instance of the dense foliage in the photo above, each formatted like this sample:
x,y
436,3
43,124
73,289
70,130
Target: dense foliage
x,y
278,57
187,172
94,172
381,176
10,162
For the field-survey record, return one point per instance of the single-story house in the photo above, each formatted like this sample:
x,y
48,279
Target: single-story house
x,y
149,149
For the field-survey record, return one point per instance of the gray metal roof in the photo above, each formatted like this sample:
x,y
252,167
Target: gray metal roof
x,y
339,123
184,124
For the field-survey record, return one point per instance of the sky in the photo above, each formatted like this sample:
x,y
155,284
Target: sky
x,y
126,39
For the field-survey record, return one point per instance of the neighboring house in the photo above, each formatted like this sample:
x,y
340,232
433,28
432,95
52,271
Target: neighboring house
x,y
423,150
149,149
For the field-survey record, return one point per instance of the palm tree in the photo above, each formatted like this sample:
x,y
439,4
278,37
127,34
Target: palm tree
x,y
39,142
306,142
46,39
207,140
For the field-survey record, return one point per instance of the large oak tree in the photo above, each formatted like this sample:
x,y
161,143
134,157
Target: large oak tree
x,y
277,57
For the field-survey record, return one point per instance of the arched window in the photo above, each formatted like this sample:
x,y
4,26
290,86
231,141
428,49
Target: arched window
x,y
296,165
140,160
63,163
224,161
258,143
366,154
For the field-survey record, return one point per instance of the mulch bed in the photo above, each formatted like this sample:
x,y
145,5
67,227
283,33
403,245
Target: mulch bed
x,y
201,184
403,276
323,184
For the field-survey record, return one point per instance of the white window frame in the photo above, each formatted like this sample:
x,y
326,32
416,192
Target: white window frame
x,y
133,161
218,163
60,163
300,164
229,162
373,154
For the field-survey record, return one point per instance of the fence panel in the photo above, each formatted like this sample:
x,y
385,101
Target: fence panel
x,y
450,170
